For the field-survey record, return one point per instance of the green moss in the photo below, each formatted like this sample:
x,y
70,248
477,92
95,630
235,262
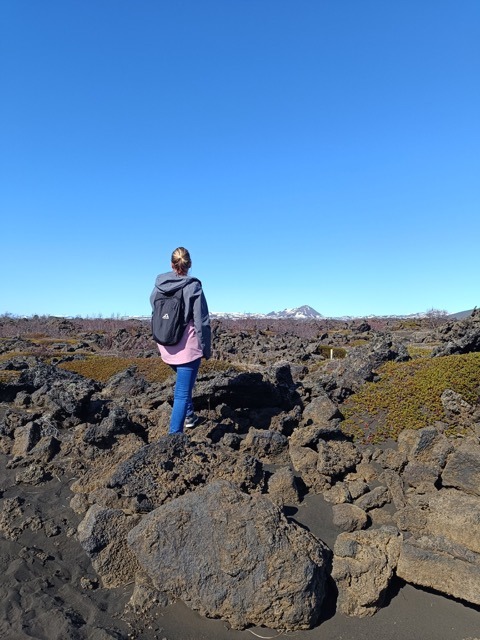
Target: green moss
x,y
9,376
52,341
101,368
337,352
407,396
419,352
408,324
359,342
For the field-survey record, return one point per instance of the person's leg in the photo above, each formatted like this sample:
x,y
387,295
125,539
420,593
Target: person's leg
x,y
182,398
196,365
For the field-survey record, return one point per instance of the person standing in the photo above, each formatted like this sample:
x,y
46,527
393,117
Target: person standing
x,y
195,343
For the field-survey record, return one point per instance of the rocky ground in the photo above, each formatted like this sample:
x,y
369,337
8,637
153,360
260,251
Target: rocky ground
x,y
268,518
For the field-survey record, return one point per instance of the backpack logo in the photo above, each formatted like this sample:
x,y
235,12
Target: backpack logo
x,y
165,317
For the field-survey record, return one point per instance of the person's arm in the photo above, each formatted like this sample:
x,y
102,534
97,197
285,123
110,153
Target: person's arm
x,y
201,320
152,296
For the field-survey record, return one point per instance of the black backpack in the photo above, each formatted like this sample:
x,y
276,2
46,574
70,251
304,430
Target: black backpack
x,y
168,317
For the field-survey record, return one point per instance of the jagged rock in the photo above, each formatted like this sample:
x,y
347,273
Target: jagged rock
x,y
311,434
145,596
33,474
93,465
363,565
286,421
273,388
176,464
462,470
12,419
462,336
23,399
267,446
11,524
320,411
364,471
363,327
395,487
341,378
420,476
373,499
357,488
117,422
103,535
25,438
338,494
426,450
125,385
392,459
234,556
329,462
457,410
448,513
426,446
349,517
45,449
436,563
65,395
159,420
18,363
282,487
232,440
381,518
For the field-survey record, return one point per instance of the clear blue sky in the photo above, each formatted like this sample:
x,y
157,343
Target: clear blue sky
x,y
321,152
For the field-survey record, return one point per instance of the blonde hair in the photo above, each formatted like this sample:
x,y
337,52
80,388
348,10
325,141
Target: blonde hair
x,y
181,261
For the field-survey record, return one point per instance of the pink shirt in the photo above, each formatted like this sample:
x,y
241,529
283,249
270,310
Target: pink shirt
x,y
187,350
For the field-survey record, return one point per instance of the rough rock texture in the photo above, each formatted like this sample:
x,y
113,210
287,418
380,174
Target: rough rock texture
x,y
363,564
446,534
458,411
436,563
349,517
63,395
374,499
233,556
447,513
267,446
341,378
462,470
272,388
328,461
426,451
103,535
459,337
282,487
321,410
175,465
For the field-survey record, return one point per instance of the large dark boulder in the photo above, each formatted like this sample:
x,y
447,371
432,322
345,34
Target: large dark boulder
x,y
274,387
233,556
65,396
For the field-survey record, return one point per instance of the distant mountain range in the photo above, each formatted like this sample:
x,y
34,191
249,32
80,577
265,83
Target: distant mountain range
x,y
306,312
299,313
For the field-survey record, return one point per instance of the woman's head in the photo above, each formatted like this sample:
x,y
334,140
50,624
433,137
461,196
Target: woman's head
x,y
181,261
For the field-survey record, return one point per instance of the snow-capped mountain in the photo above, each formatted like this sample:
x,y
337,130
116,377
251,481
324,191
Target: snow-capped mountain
x,y
304,312
300,313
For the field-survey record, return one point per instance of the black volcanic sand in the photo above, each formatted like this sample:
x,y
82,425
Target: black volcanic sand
x,y
48,589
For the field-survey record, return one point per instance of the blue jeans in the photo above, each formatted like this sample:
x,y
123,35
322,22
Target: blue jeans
x,y
182,397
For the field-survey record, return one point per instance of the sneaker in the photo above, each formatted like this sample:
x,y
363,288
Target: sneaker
x,y
191,421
